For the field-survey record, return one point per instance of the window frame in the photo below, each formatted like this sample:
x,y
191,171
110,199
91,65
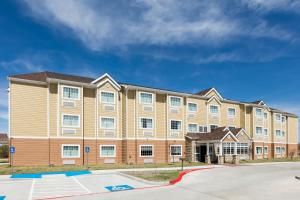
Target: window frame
x,y
256,130
217,109
279,150
277,120
283,117
266,114
261,115
176,145
170,102
197,128
108,145
175,129
189,109
62,150
264,132
256,150
66,114
231,116
73,87
104,91
266,152
140,148
280,135
140,123
101,127
152,98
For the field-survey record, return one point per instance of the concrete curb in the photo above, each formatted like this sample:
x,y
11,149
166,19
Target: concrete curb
x,y
143,180
268,163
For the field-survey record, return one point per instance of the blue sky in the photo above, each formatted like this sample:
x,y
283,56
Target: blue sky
x,y
248,50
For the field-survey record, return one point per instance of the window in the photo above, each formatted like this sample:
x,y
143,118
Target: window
x,y
70,93
192,107
282,150
242,148
107,123
283,134
278,150
146,98
192,128
258,130
175,101
175,125
278,117
176,150
70,151
265,150
202,129
107,151
146,123
258,112
266,115
283,119
108,97
231,127
71,121
146,150
278,133
214,110
258,150
213,127
231,112
228,148
265,132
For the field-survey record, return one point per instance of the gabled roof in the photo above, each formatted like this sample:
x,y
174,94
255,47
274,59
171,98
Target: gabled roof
x,y
207,91
259,102
42,76
106,78
217,134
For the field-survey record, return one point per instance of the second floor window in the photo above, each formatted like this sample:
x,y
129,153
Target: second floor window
x,y
175,101
265,132
70,93
107,123
146,98
258,130
278,117
231,112
214,109
192,107
192,128
258,112
71,121
108,97
146,123
283,134
175,125
278,133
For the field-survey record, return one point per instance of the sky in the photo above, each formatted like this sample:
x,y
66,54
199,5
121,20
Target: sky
x,y
248,49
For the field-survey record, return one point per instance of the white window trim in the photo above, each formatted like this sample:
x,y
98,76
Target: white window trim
x,y
262,130
62,121
188,107
108,145
141,150
277,119
100,98
261,150
187,128
173,145
276,150
66,86
276,133
175,97
267,115
140,123
231,116
259,116
265,153
214,113
152,98
105,127
62,150
170,124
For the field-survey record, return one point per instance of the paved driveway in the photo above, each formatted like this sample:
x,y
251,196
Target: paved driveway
x,y
242,183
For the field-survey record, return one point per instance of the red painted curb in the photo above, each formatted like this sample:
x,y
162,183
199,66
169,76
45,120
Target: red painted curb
x,y
179,178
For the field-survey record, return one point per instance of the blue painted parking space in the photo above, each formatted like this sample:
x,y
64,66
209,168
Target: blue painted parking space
x,y
2,197
119,188
40,175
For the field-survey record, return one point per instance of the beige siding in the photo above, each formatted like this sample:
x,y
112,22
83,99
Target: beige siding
x,y
161,118
53,110
28,110
89,112
131,114
292,130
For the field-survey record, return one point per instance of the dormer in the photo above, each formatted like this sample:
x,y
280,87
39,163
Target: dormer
x,y
106,78
210,92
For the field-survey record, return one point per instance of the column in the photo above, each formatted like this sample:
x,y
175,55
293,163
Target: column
x,y
220,157
207,156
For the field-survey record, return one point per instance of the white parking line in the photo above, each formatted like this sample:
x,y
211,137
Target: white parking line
x,y
31,190
81,185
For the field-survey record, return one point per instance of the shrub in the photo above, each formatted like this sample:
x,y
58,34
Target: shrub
x,y
4,151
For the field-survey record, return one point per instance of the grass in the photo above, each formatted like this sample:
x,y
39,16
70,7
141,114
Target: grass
x,y
156,175
297,159
6,169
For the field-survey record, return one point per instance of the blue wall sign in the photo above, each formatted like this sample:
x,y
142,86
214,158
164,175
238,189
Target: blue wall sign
x,y
87,149
118,188
12,149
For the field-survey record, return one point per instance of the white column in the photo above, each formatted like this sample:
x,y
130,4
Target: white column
x,y
207,148
220,149
235,148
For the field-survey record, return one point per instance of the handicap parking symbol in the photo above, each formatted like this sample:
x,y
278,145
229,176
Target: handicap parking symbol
x,y
116,188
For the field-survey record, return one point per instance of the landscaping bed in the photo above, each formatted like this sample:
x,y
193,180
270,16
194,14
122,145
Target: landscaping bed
x,y
156,175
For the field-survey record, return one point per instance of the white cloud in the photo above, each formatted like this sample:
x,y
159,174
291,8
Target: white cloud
x,y
268,5
115,24
3,115
20,64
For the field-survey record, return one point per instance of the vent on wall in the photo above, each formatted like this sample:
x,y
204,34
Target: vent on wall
x,y
69,104
109,133
174,110
68,131
174,134
109,107
148,133
191,115
148,108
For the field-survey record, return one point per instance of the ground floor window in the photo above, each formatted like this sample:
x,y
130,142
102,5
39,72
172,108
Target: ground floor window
x,y
228,147
242,148
176,150
265,150
70,151
280,150
146,150
258,150
107,150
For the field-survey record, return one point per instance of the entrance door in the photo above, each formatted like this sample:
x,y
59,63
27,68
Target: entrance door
x,y
200,153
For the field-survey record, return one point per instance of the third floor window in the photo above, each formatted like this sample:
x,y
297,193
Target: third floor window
x,y
175,101
146,98
192,107
108,97
214,109
70,93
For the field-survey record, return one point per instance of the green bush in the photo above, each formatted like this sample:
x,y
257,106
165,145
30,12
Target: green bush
x,y
4,151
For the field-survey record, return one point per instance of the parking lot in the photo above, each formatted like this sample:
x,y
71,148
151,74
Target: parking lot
x,y
246,182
